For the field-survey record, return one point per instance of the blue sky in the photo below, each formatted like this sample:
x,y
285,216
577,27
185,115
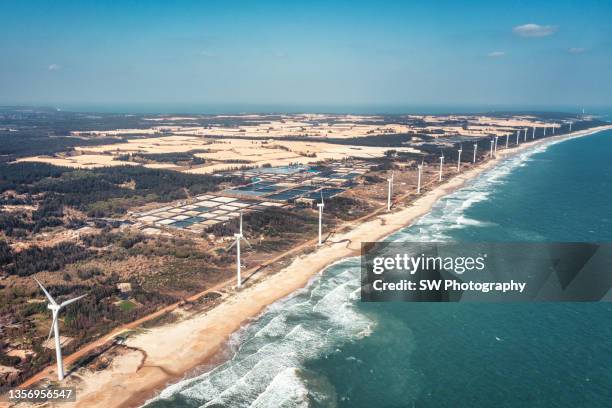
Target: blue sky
x,y
524,53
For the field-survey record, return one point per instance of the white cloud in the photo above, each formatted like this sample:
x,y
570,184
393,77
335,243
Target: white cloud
x,y
496,54
54,67
576,50
534,30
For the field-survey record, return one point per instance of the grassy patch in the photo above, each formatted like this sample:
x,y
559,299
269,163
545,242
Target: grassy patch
x,y
126,305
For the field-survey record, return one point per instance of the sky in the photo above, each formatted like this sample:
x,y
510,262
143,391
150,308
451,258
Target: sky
x,y
306,53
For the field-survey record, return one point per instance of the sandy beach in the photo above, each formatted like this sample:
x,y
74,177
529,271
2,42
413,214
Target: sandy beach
x,y
165,354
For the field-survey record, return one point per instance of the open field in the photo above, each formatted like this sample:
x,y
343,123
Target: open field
x,y
321,126
218,154
280,140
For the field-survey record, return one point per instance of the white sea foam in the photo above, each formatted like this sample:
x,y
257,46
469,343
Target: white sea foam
x,y
269,353
287,389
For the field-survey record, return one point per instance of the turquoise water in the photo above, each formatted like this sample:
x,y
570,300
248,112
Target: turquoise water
x,y
322,347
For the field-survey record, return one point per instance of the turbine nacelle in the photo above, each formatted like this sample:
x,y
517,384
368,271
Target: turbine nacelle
x,y
54,308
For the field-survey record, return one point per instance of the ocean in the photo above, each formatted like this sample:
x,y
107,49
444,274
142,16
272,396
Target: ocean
x,y
322,347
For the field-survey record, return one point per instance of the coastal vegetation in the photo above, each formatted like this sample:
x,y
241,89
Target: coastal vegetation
x,y
102,192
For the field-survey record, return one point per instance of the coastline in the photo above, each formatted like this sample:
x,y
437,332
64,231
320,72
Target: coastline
x,y
132,379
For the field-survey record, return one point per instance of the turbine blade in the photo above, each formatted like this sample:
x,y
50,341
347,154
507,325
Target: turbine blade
x,y
67,302
52,325
231,245
248,243
51,300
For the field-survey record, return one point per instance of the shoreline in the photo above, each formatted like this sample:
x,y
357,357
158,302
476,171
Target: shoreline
x,y
165,354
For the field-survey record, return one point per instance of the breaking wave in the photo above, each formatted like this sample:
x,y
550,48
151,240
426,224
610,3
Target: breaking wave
x,y
266,368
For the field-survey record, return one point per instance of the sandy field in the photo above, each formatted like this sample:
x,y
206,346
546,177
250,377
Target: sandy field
x,y
177,348
222,143
255,152
321,126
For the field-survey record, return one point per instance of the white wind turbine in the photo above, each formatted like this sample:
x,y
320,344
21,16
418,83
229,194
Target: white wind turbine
x,y
420,166
553,128
389,193
475,150
545,130
507,139
570,126
320,206
525,135
55,309
459,158
496,138
533,132
518,132
491,153
238,237
441,164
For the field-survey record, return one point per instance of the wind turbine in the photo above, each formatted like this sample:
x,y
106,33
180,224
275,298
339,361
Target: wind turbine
x,y
496,137
518,132
389,193
441,164
475,149
420,166
545,130
238,237
507,139
55,309
553,128
525,134
533,132
491,154
320,206
570,126
459,158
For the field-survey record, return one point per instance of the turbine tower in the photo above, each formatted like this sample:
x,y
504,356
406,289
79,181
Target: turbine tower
x,y
553,128
459,158
389,192
545,130
570,126
239,237
533,133
491,153
518,132
55,309
507,139
441,164
496,137
525,135
419,178
475,150
320,206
